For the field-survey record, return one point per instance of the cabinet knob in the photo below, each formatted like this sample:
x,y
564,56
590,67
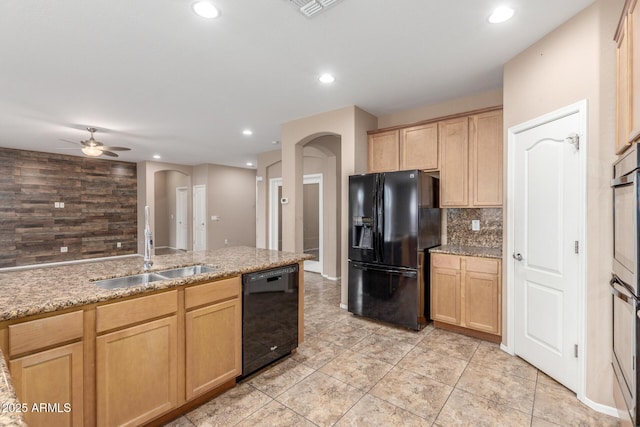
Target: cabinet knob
x,y
517,257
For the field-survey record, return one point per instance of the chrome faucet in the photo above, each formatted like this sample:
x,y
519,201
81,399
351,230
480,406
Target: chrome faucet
x,y
147,263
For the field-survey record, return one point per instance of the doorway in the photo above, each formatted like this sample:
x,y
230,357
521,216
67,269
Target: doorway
x,y
199,218
181,217
546,244
312,219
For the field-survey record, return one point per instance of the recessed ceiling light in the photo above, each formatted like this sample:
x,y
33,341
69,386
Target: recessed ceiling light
x,y
501,14
327,78
157,156
247,132
206,10
249,164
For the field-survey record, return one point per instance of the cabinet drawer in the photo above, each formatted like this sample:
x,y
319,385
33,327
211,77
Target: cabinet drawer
x,y
124,313
445,261
212,292
41,333
482,265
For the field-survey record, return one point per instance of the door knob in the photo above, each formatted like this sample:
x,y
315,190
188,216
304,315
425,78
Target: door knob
x,y
517,257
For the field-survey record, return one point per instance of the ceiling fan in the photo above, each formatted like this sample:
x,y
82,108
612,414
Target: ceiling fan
x,y
94,148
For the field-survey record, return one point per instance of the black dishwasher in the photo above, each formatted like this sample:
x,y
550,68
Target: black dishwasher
x,y
269,316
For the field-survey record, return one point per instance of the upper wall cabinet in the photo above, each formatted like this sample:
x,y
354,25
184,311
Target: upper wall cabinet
x,y
454,158
471,161
419,147
384,153
628,77
485,166
414,147
622,92
466,149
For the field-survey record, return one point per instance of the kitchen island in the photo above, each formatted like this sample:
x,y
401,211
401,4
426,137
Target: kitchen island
x,y
58,313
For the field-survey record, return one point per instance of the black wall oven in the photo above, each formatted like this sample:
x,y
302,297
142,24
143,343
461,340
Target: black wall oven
x,y
624,279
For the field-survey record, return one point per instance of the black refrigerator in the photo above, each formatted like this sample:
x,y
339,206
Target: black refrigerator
x,y
393,219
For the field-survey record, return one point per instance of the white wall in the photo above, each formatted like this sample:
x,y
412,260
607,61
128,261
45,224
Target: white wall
x,y
575,62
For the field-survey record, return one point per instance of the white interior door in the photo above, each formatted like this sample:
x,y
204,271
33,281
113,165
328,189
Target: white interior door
x,y
312,221
275,219
181,218
199,218
547,221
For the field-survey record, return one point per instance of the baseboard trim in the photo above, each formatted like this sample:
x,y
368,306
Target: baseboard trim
x,y
507,349
604,409
344,306
333,279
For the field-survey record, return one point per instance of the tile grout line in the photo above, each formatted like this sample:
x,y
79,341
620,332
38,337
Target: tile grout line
x,y
535,392
455,385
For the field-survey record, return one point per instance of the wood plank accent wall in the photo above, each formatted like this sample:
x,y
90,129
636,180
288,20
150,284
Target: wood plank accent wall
x,y
100,203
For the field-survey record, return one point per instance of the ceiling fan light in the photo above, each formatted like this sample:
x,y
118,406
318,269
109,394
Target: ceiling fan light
x,y
92,151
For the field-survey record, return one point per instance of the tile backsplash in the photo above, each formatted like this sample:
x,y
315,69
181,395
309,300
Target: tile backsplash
x,y
459,230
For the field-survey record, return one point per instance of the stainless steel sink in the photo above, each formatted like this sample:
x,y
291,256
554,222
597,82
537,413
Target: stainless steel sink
x,y
144,278
192,270
126,281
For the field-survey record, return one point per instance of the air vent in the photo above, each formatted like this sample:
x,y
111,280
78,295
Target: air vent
x,y
310,8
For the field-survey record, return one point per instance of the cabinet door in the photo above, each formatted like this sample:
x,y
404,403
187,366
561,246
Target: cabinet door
x,y
213,346
384,152
136,373
633,69
419,147
52,377
454,162
482,302
445,295
486,143
622,94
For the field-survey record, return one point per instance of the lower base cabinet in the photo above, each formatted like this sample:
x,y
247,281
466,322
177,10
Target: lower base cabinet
x,y
136,373
130,362
467,292
52,378
213,346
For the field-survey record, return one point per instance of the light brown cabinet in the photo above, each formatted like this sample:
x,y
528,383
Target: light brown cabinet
x,y
467,292
466,149
471,161
213,335
384,152
485,165
622,88
137,366
53,377
454,161
446,285
129,362
419,147
414,147
628,77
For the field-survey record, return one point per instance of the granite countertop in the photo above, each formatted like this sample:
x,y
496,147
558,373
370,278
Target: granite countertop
x,y
10,414
468,251
47,289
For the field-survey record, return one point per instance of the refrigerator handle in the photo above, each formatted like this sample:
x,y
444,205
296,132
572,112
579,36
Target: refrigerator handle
x,y
380,216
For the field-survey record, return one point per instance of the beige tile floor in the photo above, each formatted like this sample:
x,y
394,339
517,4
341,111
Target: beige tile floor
x,y
356,372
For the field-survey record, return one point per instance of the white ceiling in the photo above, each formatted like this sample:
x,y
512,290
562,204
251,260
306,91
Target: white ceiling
x,y
159,79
